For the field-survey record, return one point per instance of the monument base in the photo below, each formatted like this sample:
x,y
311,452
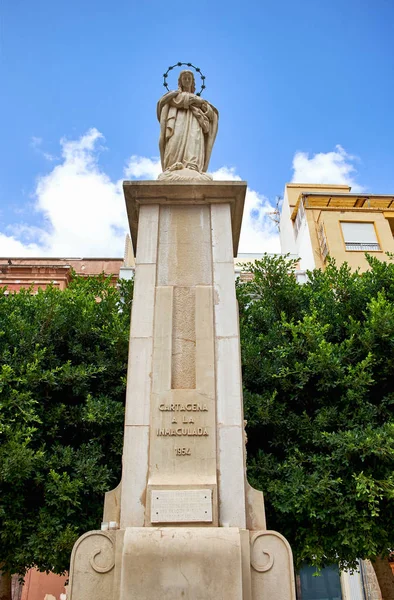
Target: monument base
x,y
192,563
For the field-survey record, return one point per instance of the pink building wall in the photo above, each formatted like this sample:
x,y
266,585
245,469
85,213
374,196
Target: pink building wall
x,y
38,585
17,273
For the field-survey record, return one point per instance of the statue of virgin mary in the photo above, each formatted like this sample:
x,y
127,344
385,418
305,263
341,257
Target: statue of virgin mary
x,y
188,128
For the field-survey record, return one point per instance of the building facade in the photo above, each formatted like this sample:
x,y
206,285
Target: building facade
x,y
321,220
36,273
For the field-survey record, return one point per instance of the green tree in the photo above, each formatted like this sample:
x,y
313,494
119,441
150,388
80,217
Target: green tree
x,y
63,357
318,365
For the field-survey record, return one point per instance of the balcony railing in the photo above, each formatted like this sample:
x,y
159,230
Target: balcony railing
x,y
363,246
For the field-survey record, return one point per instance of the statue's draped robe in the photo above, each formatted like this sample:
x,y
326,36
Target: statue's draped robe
x,y
187,132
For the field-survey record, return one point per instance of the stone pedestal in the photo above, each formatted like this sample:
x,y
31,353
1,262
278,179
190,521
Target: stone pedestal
x,y
190,526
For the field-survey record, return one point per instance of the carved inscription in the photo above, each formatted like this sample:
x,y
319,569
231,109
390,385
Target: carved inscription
x,y
183,424
195,407
182,451
181,506
183,431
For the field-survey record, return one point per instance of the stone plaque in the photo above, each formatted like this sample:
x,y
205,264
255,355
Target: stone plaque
x,y
181,506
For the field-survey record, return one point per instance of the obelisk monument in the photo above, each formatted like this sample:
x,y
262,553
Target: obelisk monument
x,y
184,523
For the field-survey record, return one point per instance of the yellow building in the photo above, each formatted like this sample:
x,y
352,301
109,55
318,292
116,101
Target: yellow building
x,y
321,220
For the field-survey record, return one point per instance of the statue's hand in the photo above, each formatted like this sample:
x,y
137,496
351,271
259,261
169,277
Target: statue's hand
x,y
197,101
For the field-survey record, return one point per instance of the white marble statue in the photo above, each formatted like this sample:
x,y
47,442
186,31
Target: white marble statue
x,y
188,127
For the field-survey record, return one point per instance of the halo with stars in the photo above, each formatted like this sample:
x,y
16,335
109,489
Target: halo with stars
x,y
184,64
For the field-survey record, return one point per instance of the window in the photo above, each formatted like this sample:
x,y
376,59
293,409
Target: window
x,y
360,236
326,586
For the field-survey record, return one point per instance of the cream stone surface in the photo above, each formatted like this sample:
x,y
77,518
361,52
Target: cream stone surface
x,y
184,338
255,510
226,314
228,383
272,567
222,239
190,525
139,193
183,409
205,350
184,246
139,381
162,349
92,566
149,223
194,430
231,476
191,563
229,387
143,301
245,566
183,419
134,475
112,505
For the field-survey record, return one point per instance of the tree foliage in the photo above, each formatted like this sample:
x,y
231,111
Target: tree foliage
x,y
319,399
63,361
318,364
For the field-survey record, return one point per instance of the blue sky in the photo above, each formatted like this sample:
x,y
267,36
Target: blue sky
x,y
304,89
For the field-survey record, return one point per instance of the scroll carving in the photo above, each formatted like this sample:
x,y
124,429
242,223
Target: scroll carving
x,y
260,568
92,566
92,560
271,562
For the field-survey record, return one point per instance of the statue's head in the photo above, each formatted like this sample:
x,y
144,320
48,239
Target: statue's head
x,y
186,81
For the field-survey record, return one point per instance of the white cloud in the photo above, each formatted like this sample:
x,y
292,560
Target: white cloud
x,y
140,167
84,213
226,174
334,167
258,232
11,246
83,210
